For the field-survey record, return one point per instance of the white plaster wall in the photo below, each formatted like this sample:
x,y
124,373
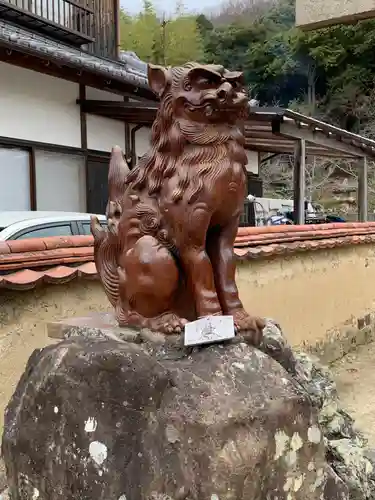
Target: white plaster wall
x,y
252,161
37,107
102,95
142,140
104,133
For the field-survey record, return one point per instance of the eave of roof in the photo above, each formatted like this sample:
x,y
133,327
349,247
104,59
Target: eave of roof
x,y
268,130
27,42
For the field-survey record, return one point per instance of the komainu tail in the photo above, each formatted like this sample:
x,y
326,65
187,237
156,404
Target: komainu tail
x,y
106,244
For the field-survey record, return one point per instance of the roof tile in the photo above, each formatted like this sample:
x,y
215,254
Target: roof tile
x,y
18,38
28,245
64,259
4,247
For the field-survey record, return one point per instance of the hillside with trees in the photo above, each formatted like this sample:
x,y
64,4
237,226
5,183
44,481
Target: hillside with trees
x,y
328,73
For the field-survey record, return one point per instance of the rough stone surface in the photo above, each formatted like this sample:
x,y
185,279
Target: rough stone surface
x,y
351,462
203,434
104,419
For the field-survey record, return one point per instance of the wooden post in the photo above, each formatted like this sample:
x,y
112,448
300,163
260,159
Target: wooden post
x,y
362,191
299,182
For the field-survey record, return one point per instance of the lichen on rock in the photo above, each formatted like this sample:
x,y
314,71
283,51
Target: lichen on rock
x,y
350,460
223,422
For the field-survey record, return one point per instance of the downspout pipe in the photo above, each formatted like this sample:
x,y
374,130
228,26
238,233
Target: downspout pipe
x,y
117,29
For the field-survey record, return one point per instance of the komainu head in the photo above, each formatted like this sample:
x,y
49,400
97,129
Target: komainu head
x,y
205,94
196,126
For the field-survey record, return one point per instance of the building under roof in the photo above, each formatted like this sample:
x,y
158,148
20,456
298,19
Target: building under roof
x,y
275,131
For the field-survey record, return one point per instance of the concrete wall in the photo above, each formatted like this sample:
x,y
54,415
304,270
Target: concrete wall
x,y
312,14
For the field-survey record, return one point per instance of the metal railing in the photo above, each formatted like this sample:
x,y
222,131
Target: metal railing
x,y
54,16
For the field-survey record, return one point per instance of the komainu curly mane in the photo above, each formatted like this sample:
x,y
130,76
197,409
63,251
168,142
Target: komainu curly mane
x,y
167,256
171,142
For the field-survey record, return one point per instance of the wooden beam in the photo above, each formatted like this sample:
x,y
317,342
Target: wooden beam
x,y
363,191
299,182
292,131
284,146
97,104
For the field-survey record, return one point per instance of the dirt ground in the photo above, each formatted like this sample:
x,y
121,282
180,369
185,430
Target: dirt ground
x,y
355,378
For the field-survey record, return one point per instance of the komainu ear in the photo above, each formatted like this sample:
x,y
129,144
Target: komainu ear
x,y
158,78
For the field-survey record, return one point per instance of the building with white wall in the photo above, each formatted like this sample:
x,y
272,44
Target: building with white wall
x,y
54,155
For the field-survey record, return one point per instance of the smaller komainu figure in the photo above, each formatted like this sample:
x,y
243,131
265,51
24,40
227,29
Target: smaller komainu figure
x,y
167,256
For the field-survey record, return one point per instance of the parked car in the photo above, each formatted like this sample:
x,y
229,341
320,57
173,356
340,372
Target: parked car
x,y
22,225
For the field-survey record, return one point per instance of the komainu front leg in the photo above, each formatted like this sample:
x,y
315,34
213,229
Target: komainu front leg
x,y
220,249
200,275
195,261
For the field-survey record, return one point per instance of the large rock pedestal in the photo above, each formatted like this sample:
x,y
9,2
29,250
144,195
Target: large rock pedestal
x,y
96,419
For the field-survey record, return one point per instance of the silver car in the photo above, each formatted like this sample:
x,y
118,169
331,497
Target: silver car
x,y
23,225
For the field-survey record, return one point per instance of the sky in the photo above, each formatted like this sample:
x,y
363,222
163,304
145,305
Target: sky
x,y
168,6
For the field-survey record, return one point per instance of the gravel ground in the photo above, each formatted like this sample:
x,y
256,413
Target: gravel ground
x,y
355,378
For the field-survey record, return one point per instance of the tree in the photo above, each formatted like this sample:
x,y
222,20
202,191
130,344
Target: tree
x,y
262,50
162,41
183,41
277,176
141,33
345,69
204,25
244,11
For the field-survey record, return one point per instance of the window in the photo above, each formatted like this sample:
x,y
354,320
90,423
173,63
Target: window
x,y
86,227
97,184
60,182
14,179
46,231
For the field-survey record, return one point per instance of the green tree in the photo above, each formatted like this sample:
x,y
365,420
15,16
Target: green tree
x,y
162,41
345,69
140,33
183,41
262,50
204,25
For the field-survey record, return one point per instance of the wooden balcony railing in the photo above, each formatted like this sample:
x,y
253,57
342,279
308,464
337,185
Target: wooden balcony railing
x,y
105,29
72,21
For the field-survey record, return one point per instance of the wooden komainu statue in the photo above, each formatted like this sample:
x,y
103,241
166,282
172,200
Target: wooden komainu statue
x,y
167,256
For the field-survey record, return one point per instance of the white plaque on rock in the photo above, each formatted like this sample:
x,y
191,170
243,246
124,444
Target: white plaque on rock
x,y
208,330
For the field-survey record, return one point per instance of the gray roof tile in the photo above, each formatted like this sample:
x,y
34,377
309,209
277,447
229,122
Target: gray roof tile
x,y
129,70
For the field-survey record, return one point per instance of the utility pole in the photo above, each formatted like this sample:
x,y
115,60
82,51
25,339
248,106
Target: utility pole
x,y
163,39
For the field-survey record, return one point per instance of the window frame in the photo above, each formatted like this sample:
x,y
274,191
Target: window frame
x,y
73,226
31,146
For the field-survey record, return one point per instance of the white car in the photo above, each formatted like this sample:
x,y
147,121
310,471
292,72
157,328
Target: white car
x,y
23,225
